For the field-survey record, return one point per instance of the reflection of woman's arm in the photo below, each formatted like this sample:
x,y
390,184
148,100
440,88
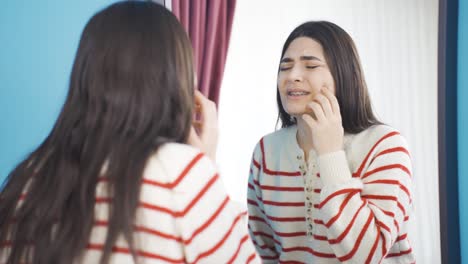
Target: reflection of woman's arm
x,y
259,229
363,215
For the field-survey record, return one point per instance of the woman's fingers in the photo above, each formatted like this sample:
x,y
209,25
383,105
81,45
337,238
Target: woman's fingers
x,y
205,124
332,99
309,120
317,110
324,103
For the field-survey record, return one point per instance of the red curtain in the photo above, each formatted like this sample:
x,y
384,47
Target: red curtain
x,y
208,23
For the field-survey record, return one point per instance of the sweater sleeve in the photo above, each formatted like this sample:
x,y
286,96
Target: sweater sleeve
x,y
211,226
363,213
260,231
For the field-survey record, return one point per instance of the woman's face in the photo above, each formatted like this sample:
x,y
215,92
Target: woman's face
x,y
303,74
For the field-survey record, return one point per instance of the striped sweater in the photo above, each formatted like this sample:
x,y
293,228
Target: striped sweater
x,y
184,215
350,206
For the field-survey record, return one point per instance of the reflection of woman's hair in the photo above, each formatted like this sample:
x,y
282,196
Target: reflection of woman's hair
x,y
131,90
343,61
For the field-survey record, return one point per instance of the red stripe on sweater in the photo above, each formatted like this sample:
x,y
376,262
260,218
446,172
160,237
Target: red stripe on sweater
x,y
342,206
209,221
278,188
200,194
256,218
385,197
252,202
401,253
391,150
402,237
393,182
251,257
272,218
348,228
242,241
311,251
397,226
260,233
167,185
272,248
220,242
181,176
141,253
256,164
291,234
358,240
382,225
274,240
167,210
384,246
387,167
391,214
286,219
374,247
321,238
363,163
275,203
331,196
268,257
274,173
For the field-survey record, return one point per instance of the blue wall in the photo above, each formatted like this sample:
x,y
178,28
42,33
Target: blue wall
x,y
463,125
38,43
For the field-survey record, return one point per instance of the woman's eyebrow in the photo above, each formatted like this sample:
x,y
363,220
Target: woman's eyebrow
x,y
303,58
286,59
309,58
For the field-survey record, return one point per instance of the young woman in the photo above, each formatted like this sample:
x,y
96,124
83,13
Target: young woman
x,y
114,182
334,184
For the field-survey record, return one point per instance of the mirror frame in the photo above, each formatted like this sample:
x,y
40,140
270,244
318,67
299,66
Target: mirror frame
x,y
447,131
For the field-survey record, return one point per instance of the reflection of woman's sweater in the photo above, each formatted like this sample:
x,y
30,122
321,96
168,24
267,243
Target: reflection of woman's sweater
x,y
348,206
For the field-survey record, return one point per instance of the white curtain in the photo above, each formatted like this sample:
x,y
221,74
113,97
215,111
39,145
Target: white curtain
x,y
397,42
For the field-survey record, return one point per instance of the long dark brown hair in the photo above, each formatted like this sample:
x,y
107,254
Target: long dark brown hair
x,y
344,64
130,91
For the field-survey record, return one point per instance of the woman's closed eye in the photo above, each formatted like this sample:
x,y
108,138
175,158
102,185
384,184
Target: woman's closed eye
x,y
285,67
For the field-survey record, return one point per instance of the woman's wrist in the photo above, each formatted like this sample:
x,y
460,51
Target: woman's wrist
x,y
334,168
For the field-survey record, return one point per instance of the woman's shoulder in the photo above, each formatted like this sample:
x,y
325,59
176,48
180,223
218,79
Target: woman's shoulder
x,y
279,136
172,159
378,136
376,132
275,140
177,149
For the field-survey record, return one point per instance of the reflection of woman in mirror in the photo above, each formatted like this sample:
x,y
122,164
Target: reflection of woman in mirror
x,y
334,183
116,181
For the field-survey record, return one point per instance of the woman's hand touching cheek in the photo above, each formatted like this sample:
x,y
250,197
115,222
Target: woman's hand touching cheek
x,y
326,128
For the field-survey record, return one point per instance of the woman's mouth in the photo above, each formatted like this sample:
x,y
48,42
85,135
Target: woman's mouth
x,y
297,94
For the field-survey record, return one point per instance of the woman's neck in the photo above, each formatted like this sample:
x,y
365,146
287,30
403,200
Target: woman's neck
x,y
304,137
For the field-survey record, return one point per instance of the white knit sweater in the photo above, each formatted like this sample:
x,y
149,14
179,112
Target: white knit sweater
x,y
349,206
184,216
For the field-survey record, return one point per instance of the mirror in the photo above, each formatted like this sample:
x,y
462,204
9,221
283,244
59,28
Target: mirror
x,y
397,44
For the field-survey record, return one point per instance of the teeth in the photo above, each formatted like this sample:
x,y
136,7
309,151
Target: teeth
x,y
297,93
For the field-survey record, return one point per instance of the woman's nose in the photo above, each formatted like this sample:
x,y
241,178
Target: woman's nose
x,y
295,74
